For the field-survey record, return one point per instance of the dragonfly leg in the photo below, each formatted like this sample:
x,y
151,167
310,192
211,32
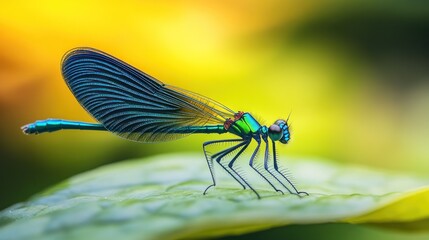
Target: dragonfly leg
x,y
220,155
231,166
276,168
210,159
266,158
251,163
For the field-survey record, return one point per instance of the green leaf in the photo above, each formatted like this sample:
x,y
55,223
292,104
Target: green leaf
x,y
161,198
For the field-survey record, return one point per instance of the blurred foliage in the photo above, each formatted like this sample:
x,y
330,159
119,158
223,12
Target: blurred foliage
x,y
392,39
161,198
336,231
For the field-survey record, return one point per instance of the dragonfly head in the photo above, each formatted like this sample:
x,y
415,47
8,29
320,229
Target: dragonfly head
x,y
279,131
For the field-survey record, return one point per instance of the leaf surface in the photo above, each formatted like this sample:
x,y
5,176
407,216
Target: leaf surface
x,y
161,198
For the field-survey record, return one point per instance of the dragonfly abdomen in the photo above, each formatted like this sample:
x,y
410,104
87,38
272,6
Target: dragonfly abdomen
x,y
51,125
201,129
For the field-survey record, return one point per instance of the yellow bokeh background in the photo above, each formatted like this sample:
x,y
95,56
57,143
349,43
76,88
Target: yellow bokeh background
x,y
249,55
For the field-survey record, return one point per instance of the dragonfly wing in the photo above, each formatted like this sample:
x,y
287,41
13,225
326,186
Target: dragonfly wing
x,y
132,104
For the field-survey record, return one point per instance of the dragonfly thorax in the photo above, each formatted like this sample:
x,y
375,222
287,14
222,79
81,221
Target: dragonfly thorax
x,y
245,125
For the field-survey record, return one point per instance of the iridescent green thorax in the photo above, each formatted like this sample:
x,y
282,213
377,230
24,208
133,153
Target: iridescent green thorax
x,y
242,124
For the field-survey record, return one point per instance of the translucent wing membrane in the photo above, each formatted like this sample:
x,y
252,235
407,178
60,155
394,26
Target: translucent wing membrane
x,y
132,104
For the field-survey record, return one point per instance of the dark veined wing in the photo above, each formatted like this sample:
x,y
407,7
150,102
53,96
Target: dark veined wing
x,y
132,104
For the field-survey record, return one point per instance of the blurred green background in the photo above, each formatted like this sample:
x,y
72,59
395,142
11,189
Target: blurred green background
x,y
354,74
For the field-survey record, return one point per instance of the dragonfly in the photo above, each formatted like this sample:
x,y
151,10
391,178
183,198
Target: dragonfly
x,y
138,107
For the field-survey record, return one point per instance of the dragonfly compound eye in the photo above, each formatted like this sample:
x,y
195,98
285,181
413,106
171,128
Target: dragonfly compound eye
x,y
275,132
280,123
